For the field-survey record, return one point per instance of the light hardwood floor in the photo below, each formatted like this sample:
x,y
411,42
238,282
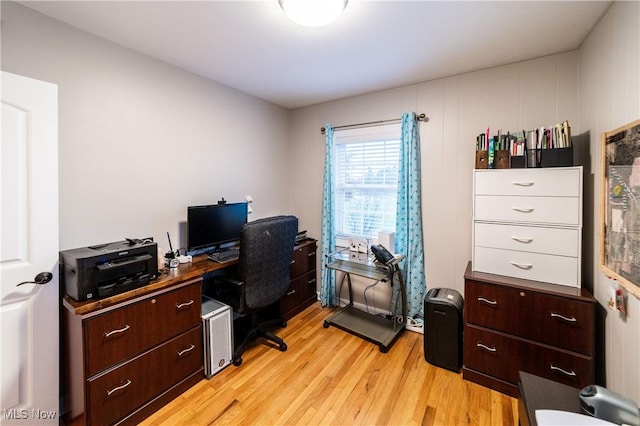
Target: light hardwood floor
x,y
330,377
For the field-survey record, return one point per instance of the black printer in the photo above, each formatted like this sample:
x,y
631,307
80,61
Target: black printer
x,y
104,270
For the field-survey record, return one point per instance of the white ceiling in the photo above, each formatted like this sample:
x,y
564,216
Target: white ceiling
x,y
375,45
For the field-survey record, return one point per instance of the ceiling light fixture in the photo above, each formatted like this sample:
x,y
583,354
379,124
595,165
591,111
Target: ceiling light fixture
x,y
313,13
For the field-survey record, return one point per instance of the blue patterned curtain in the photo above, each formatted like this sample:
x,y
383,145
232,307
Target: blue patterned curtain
x,y
408,240
328,277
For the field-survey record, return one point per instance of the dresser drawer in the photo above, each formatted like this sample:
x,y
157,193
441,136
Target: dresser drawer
x,y
536,239
304,260
558,321
127,331
300,290
502,356
491,353
560,182
530,266
113,395
547,210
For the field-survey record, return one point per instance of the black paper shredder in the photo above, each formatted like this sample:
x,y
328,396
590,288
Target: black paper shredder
x,y
443,328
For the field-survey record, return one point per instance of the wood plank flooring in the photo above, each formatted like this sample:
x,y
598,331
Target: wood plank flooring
x,y
330,377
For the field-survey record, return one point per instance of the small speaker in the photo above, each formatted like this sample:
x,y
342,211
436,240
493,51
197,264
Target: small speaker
x,y
388,240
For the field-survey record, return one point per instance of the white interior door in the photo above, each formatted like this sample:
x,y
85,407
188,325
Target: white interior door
x,y
29,354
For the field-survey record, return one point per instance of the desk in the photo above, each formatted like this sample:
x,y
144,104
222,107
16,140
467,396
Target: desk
x,y
115,348
538,393
375,328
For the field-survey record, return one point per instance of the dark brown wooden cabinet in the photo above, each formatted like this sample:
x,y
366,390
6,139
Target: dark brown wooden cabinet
x,y
514,325
302,289
125,360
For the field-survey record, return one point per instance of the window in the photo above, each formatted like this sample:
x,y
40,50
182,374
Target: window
x,y
366,180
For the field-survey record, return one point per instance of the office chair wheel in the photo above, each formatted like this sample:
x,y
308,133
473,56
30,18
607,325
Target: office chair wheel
x,y
283,347
326,324
237,361
283,324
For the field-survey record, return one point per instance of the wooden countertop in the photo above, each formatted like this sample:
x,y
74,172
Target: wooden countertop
x,y
186,271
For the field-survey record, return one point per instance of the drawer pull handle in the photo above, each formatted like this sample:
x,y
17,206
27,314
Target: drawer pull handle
x,y
184,351
184,305
313,253
568,373
293,261
486,348
120,330
491,302
291,292
522,239
117,388
522,183
311,281
554,315
523,209
522,265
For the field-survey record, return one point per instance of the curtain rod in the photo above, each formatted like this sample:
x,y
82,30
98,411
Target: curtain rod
x,y
420,117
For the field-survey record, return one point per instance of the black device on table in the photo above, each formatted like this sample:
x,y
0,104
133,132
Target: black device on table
x,y
381,254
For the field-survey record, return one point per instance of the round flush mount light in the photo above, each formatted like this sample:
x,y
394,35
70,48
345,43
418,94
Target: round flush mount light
x,y
313,13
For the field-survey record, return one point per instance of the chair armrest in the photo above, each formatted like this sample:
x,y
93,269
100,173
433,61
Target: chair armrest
x,y
231,292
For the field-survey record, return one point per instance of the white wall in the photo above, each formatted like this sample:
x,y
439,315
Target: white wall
x,y
140,139
609,88
526,95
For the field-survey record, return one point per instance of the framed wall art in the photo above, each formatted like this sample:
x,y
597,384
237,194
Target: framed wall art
x,y
620,206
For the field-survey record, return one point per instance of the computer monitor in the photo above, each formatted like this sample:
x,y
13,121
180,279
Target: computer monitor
x,y
208,227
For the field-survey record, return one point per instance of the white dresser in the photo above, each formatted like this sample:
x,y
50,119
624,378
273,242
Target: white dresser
x,y
527,223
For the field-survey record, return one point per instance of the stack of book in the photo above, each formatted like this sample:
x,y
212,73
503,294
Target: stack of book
x,y
543,147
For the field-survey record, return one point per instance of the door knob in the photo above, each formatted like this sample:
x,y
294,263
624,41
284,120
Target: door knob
x,y
41,278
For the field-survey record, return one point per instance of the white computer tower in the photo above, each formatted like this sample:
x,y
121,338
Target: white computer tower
x,y
217,331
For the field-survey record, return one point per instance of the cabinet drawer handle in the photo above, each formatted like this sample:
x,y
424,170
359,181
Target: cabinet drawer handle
x,y
120,330
522,183
554,315
311,281
522,265
293,261
313,253
184,305
486,348
522,239
184,351
117,388
491,302
291,292
523,209
568,373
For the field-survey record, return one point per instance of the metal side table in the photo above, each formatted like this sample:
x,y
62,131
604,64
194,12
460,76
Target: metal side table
x,y
374,328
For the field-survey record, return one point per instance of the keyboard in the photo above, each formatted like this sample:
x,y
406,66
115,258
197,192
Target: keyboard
x,y
224,256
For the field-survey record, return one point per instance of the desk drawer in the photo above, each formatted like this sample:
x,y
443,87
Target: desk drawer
x,y
530,266
491,353
553,320
563,211
304,260
535,239
119,334
557,182
502,356
113,395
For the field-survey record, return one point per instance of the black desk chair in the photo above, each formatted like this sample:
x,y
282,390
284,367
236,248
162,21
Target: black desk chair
x,y
266,249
